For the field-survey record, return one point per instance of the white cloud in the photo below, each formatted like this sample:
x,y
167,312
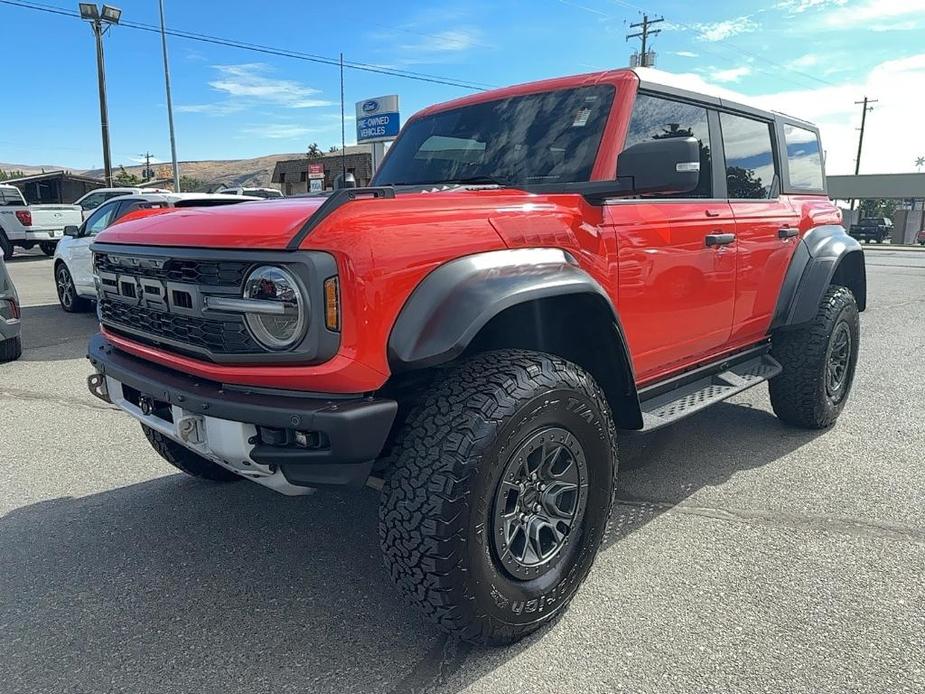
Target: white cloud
x,y
800,6
732,74
872,13
280,131
719,31
892,138
449,41
250,84
803,62
687,54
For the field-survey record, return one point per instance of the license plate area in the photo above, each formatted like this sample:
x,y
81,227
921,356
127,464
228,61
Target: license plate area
x,y
149,405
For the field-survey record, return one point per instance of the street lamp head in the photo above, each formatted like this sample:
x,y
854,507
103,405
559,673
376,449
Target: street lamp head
x,y
89,11
111,14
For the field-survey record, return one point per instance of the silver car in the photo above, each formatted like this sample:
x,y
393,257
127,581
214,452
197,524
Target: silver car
x,y
10,328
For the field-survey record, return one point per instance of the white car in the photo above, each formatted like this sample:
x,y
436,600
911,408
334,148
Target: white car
x,y
95,198
73,265
265,193
26,225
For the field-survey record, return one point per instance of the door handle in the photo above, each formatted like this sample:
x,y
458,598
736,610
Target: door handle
x,y
787,232
720,239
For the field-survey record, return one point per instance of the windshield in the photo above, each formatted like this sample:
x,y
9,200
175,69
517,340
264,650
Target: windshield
x,y
551,137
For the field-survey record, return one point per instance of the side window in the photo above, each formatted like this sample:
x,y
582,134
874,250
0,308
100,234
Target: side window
x,y
749,157
804,160
655,118
100,219
91,202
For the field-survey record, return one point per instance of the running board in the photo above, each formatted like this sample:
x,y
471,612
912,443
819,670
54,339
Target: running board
x,y
667,407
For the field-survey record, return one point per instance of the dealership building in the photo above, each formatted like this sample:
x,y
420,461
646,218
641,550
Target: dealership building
x,y
294,176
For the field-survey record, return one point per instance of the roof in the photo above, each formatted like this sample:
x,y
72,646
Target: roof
x,y
60,173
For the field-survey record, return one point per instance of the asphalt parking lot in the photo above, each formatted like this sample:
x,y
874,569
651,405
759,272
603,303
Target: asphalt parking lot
x,y
745,556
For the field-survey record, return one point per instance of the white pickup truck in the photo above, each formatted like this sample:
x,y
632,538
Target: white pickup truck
x,y
26,225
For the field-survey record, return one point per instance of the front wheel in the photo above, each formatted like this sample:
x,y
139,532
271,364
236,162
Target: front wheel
x,y
67,292
819,361
48,247
499,493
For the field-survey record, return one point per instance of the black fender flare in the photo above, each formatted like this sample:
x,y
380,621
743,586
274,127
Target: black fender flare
x,y
824,254
449,307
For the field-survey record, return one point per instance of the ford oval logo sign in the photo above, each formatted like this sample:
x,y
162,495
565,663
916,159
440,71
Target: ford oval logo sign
x,y
370,106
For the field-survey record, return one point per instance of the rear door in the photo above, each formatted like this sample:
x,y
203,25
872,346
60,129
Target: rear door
x,y
766,224
676,255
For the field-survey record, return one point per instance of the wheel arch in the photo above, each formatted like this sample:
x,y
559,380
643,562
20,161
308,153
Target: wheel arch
x,y
536,299
826,255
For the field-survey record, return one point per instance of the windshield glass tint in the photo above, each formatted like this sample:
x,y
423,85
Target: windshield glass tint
x,y
550,137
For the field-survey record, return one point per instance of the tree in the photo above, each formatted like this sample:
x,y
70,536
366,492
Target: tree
x,y
333,148
742,183
188,184
314,151
124,178
878,208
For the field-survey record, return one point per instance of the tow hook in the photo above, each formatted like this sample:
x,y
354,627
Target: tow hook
x,y
190,429
96,383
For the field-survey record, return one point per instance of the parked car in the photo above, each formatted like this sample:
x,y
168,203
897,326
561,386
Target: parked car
x,y
877,229
10,328
72,266
26,225
920,237
95,198
532,269
265,193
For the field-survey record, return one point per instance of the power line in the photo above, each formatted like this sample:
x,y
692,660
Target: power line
x,y
269,50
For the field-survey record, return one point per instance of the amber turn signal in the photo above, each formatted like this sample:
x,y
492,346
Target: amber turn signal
x,y
331,304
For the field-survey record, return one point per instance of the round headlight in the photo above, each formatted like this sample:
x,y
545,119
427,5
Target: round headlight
x,y
276,327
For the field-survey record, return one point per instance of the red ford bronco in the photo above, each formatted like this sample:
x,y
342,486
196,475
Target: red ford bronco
x,y
533,269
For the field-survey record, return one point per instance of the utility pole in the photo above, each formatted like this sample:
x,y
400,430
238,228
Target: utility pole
x,y
173,140
864,109
644,35
148,174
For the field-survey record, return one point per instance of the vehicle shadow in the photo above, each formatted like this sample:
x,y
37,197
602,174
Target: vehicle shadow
x,y
51,334
176,585
21,256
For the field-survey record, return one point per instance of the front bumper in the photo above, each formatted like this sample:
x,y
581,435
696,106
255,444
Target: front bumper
x,y
227,425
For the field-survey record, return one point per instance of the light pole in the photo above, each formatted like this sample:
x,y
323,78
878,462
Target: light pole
x,y
100,20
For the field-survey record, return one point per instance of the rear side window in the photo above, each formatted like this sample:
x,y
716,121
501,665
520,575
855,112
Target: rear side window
x,y
655,118
749,157
804,160
10,197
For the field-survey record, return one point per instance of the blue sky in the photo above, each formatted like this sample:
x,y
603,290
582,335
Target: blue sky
x,y
811,58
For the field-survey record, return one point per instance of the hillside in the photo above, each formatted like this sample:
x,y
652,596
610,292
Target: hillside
x,y
228,172
29,169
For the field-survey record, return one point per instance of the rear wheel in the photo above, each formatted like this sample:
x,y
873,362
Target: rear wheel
x,y
5,245
498,495
67,293
819,361
11,349
185,460
48,247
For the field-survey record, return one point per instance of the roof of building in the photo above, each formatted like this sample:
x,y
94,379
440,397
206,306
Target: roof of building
x,y
54,174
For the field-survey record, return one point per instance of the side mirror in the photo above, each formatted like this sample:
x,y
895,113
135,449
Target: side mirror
x,y
345,181
72,231
671,165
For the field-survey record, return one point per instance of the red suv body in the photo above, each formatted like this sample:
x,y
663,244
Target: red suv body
x,y
674,246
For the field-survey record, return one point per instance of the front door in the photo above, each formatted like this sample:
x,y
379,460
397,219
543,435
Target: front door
x,y
676,255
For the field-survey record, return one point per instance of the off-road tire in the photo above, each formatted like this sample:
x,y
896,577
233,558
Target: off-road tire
x,y
435,518
11,349
799,395
48,248
185,460
5,246
67,292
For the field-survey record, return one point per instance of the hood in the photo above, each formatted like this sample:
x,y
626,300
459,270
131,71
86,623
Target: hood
x,y
268,225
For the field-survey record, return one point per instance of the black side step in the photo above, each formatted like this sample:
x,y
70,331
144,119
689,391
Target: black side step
x,y
663,407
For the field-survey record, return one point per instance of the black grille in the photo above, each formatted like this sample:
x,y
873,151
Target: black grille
x,y
218,336
210,273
